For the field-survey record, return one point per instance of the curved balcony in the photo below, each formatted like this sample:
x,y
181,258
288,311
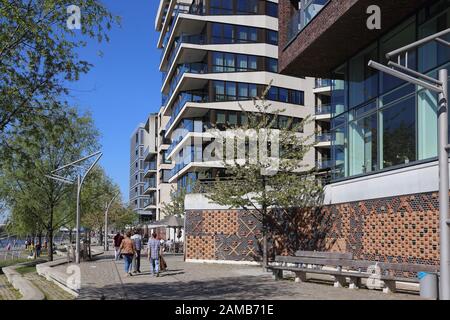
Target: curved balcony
x,y
195,68
324,164
323,109
183,98
323,137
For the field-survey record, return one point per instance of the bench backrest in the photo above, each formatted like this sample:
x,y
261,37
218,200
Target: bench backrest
x,y
356,264
324,255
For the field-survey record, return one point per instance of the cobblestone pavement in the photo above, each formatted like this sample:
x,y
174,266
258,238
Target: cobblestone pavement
x,y
7,292
49,289
105,279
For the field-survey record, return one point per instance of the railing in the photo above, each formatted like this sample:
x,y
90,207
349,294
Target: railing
x,y
323,83
323,109
149,166
324,164
308,10
149,202
184,38
183,98
178,10
196,68
188,126
323,137
150,184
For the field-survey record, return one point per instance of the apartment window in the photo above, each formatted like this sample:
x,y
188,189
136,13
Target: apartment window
x,y
247,6
221,118
229,62
272,37
221,7
272,9
272,65
399,133
364,142
246,34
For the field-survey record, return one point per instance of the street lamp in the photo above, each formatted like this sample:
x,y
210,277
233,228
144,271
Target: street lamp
x,y
79,181
108,205
440,87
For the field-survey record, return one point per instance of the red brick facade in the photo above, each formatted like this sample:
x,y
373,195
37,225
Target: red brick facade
x,y
396,229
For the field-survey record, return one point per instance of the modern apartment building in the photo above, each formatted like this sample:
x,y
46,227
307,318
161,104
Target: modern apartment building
x,y
138,200
215,57
149,171
384,131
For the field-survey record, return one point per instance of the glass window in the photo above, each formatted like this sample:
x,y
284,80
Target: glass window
x,y
229,63
219,89
283,95
272,9
252,62
399,133
363,80
399,37
434,54
252,90
242,62
232,118
272,37
220,118
228,32
272,65
364,145
218,62
231,90
273,94
243,91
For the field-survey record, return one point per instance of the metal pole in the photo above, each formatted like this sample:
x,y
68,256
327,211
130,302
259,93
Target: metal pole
x,y
77,244
444,188
106,227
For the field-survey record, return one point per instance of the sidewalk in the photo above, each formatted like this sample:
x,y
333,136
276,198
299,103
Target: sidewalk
x,y
105,279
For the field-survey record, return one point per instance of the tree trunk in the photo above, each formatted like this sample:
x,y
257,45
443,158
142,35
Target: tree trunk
x,y
101,237
50,244
265,252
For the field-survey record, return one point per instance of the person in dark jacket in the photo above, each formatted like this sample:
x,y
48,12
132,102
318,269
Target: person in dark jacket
x,y
117,241
137,239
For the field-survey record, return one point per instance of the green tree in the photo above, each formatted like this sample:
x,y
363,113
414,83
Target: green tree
x,y
176,205
36,148
254,186
38,54
122,216
98,190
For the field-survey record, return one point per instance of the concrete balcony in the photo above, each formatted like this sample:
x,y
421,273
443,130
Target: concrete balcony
x,y
323,140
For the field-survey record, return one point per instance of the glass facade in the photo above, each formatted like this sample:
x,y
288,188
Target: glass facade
x,y
380,122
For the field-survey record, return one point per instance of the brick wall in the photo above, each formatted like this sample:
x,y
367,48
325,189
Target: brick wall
x,y
403,229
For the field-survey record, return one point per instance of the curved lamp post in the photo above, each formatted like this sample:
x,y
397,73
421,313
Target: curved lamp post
x,y
79,181
108,205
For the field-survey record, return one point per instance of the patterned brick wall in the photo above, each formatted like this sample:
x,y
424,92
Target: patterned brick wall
x,y
396,229
222,235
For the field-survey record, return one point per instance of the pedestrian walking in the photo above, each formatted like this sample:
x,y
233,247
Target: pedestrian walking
x,y
154,252
128,250
137,239
38,249
117,241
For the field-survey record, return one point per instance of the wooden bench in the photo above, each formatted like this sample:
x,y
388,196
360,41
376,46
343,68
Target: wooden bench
x,y
344,266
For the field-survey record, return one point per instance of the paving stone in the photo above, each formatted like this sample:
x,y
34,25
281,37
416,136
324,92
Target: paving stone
x,y
105,279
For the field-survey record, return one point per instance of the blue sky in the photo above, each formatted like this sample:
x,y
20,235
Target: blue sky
x,y
124,85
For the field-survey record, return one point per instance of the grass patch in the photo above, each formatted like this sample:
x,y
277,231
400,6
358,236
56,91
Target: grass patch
x,y
7,263
26,269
